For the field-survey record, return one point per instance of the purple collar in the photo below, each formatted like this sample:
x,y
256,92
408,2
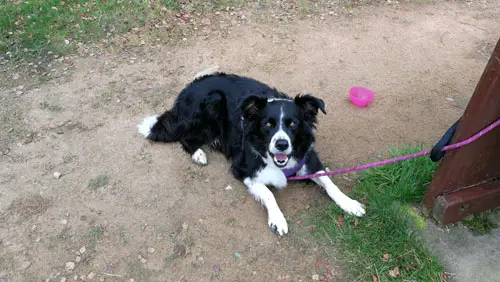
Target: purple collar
x,y
291,171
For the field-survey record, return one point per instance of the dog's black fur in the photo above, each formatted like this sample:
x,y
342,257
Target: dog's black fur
x,y
210,110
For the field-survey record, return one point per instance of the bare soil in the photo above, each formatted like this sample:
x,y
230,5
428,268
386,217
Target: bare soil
x,y
75,173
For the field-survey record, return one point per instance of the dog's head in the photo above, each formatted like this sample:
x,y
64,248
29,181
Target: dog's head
x,y
281,128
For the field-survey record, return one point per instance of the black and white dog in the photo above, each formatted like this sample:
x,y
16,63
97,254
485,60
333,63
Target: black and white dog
x,y
267,135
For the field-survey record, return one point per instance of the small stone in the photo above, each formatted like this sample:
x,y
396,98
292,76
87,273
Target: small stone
x,y
450,99
25,264
57,175
64,221
151,250
229,187
216,268
52,126
37,239
82,250
315,277
78,259
201,258
254,273
63,279
205,21
75,278
70,266
101,279
143,260
91,275
139,257
131,280
185,226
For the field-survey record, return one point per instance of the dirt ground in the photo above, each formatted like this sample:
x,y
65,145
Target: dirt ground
x,y
83,196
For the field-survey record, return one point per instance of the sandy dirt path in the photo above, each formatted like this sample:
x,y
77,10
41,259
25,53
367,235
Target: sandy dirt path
x,y
145,211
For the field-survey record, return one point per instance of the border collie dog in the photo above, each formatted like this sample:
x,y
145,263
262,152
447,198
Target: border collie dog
x,y
268,135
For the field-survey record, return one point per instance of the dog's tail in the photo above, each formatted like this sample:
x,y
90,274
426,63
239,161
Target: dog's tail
x,y
158,128
206,72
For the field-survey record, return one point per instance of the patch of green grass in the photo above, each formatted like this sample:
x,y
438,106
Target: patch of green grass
x,y
50,107
229,221
99,181
33,28
124,237
388,228
95,234
479,224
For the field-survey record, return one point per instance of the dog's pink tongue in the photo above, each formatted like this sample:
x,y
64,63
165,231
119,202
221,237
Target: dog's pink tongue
x,y
281,157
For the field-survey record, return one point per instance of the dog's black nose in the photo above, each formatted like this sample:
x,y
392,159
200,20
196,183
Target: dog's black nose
x,y
281,144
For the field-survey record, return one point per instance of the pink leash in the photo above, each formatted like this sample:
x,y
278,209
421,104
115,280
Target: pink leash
x,y
403,158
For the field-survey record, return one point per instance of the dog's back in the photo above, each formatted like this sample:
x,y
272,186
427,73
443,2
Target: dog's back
x,y
206,112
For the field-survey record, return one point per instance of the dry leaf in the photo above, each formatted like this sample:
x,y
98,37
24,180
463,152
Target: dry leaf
x,y
386,257
443,276
340,220
374,278
395,272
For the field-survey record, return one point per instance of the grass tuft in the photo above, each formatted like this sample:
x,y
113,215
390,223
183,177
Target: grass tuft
x,y
98,182
479,224
383,244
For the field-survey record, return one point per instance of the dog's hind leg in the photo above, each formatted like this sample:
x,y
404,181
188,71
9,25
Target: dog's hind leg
x,y
193,147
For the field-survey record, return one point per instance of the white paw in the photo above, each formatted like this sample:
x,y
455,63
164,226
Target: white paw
x,y
352,206
146,125
277,223
199,157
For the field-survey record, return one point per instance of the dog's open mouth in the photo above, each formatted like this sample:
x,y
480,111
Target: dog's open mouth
x,y
280,159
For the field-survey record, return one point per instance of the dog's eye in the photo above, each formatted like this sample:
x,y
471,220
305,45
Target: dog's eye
x,y
291,123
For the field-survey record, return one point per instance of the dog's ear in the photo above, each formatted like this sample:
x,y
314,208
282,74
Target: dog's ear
x,y
310,105
252,106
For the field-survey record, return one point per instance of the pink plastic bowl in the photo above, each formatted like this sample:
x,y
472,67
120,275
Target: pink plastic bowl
x,y
361,96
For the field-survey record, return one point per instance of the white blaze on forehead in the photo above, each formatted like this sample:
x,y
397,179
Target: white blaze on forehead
x,y
280,135
270,100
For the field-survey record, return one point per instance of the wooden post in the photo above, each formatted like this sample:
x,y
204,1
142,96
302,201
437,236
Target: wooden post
x,y
468,179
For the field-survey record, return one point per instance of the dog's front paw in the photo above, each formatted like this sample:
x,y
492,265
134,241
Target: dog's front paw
x,y
352,207
277,223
